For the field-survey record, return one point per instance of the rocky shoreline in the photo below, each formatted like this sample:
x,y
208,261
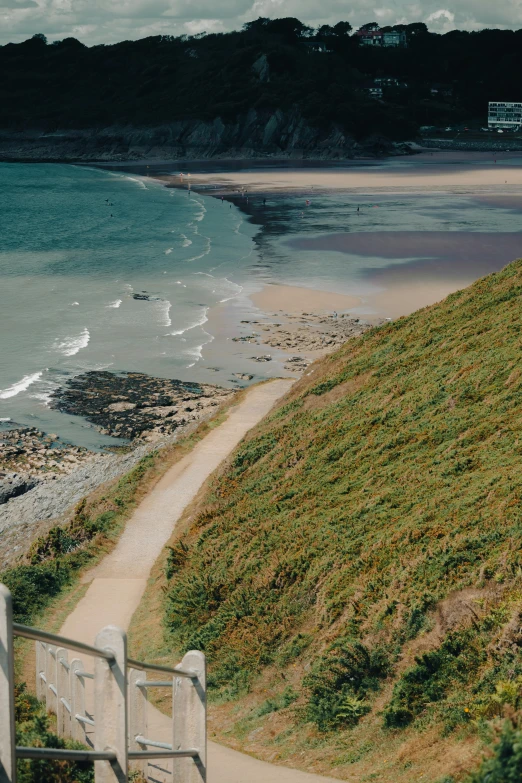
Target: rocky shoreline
x,y
305,336
29,457
134,405
41,478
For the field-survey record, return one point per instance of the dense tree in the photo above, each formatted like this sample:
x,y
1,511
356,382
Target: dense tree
x,y
162,79
342,28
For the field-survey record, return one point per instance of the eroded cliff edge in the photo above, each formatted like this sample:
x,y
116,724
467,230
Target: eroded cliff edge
x,y
254,135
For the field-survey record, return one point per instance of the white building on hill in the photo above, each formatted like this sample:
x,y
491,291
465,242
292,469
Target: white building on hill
x,y
502,114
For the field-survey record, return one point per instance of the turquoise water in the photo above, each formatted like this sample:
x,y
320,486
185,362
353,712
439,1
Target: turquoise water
x,y
76,245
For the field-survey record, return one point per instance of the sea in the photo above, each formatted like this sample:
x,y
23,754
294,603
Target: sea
x,y
106,270
78,245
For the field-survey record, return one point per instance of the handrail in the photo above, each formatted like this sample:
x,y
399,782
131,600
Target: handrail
x,y
143,755
152,743
119,718
68,755
154,683
155,667
43,636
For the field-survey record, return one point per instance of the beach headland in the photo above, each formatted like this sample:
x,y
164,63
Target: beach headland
x,y
432,264
274,327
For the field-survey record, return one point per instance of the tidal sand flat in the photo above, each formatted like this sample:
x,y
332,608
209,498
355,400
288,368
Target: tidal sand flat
x,y
395,235
110,276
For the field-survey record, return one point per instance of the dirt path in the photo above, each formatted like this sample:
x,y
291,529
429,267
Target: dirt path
x,y
117,584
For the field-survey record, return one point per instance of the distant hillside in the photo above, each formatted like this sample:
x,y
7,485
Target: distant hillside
x,y
217,93
355,574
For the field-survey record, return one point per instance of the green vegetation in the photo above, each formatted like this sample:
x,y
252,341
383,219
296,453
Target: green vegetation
x,y
55,559
51,566
33,730
266,67
50,570
365,543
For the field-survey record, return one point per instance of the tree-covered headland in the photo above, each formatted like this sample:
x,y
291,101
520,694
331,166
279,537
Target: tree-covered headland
x,y
269,65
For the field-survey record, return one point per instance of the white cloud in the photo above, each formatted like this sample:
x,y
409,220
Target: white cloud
x,y
17,4
97,21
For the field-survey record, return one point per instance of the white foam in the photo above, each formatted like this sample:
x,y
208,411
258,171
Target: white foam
x,y
164,310
196,352
139,181
21,386
71,345
199,217
239,289
8,418
74,304
44,397
115,304
186,241
201,320
168,251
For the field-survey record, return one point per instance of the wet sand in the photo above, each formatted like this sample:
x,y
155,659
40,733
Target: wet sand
x,y
396,271
293,299
442,262
438,175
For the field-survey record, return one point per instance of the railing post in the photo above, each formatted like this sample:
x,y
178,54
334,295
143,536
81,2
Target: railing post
x,y
110,706
7,716
189,720
77,689
41,653
50,675
63,716
138,698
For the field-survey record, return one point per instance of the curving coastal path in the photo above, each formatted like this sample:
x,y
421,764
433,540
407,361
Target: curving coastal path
x,y
117,584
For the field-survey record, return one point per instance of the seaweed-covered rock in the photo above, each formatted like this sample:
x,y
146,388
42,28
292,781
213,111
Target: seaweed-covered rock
x,y
134,405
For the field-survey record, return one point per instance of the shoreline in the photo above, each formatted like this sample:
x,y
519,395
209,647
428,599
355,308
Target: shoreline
x,y
156,412
279,330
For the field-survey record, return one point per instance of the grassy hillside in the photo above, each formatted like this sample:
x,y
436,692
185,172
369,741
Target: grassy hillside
x,y
355,574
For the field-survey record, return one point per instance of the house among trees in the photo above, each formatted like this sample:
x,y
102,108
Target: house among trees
x,y
372,35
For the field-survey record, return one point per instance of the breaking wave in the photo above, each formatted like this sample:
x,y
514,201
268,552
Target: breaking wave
x,y
71,345
20,386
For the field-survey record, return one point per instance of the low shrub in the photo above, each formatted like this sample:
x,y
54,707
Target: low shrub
x,y
506,764
341,680
33,730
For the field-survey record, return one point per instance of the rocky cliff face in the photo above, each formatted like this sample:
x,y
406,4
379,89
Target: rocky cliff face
x,y
279,135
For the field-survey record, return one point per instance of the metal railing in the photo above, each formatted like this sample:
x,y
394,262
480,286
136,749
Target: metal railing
x,y
118,724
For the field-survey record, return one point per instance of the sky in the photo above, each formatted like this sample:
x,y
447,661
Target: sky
x,y
109,21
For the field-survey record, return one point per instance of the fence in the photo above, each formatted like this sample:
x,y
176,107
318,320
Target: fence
x,y
118,724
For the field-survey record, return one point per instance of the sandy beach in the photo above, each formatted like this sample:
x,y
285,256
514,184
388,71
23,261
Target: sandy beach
x,y
307,278
295,299
448,172
393,271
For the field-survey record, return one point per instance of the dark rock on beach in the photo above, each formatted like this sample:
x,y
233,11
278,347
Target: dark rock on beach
x,y
133,405
145,297
13,484
26,451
